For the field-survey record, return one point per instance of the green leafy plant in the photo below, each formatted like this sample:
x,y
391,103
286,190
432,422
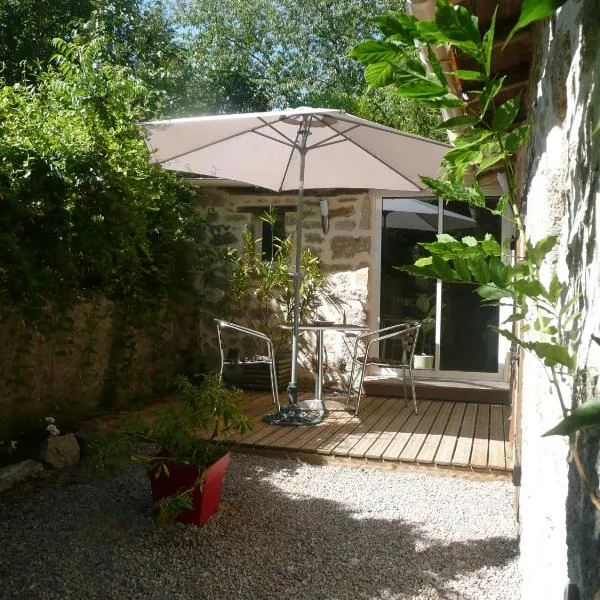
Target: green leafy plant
x,y
190,430
261,294
545,315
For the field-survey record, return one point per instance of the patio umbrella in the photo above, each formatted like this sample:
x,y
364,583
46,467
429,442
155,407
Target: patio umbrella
x,y
295,149
410,213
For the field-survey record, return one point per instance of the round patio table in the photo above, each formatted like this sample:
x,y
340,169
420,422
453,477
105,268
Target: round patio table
x,y
320,327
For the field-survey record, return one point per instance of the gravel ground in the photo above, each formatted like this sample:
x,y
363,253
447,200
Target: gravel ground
x,y
287,530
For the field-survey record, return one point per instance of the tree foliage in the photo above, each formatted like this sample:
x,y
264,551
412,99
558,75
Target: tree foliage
x,y
262,55
81,208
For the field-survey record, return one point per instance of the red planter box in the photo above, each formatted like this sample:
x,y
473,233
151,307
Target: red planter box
x,y
205,499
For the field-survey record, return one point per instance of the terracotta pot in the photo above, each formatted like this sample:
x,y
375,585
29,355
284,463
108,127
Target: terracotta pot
x,y
182,477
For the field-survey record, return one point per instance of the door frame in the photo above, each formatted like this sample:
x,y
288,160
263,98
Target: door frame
x,y
376,203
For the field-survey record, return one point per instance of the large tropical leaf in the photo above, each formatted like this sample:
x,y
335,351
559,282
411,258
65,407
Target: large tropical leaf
x,y
534,10
583,417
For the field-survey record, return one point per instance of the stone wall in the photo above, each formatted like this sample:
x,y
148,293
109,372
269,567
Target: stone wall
x,y
345,252
88,360
559,528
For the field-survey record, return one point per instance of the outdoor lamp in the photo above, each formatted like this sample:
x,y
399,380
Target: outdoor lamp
x,y
324,203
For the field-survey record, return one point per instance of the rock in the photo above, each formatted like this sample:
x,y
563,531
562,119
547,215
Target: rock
x,y
14,474
60,451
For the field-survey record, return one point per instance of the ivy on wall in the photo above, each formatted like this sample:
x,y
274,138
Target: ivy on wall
x,y
83,215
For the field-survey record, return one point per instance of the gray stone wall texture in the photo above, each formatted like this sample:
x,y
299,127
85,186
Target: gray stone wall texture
x,y
561,168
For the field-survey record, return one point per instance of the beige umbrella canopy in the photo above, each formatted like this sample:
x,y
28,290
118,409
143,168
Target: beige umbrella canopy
x,y
296,149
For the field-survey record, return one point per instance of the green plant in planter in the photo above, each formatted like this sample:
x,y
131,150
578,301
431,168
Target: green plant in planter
x,y
189,431
261,293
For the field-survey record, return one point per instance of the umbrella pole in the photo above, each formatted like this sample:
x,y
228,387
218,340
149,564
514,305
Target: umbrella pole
x,y
293,385
293,414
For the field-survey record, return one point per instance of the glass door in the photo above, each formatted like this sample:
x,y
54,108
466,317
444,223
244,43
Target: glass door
x,y
467,341
457,337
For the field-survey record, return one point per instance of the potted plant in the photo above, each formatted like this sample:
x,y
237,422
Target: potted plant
x,y
187,458
261,297
423,306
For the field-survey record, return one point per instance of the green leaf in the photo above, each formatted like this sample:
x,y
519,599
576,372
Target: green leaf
x,y
506,113
373,51
401,27
490,91
447,101
436,67
460,27
545,245
424,88
488,44
458,160
534,10
553,354
492,292
531,288
516,138
516,317
502,202
446,238
455,191
379,74
555,288
473,137
462,269
490,161
469,240
491,246
467,75
497,271
423,271
443,269
479,268
414,81
509,335
459,122
583,417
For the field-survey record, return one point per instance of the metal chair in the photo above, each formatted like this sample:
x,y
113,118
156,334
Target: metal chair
x,y
221,324
407,334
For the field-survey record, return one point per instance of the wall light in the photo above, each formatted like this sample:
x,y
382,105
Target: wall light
x,y
324,204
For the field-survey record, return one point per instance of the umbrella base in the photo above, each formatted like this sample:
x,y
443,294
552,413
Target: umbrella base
x,y
292,414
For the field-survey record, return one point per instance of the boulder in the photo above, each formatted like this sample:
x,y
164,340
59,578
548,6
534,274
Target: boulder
x,y
14,474
60,451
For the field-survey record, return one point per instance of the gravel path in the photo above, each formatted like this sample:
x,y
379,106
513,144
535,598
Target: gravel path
x,y
288,530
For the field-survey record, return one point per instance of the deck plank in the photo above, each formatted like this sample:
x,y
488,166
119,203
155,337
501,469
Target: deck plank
x,y
417,439
334,425
436,433
350,427
362,448
384,439
464,444
448,442
368,423
395,447
497,452
300,436
481,441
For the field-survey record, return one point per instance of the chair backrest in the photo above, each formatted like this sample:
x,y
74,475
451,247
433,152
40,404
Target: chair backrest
x,y
409,337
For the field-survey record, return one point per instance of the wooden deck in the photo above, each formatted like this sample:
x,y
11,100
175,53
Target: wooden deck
x,y
445,434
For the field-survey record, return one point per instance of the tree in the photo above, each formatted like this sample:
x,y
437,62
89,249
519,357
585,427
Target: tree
x,y
27,28
262,54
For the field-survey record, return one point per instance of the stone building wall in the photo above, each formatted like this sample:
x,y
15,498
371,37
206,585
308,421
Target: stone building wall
x,y
560,530
345,252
